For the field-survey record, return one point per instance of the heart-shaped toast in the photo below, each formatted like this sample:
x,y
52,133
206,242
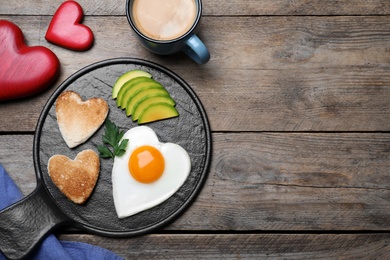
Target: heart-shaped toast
x,y
24,70
66,30
78,120
76,178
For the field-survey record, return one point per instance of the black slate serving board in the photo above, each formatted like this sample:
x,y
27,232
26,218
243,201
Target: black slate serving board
x,y
49,208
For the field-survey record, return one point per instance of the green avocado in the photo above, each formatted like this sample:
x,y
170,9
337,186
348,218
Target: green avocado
x,y
134,89
142,93
129,84
147,100
157,111
126,77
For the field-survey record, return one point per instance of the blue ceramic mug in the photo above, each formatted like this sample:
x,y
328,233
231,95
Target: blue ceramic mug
x,y
168,26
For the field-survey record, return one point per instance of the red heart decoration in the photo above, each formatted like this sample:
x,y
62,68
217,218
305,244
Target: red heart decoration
x,y
24,70
66,30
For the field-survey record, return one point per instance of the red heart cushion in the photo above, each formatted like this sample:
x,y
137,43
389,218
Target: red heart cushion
x,y
24,70
65,29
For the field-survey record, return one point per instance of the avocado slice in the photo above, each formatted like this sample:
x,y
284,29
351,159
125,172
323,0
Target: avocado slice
x,y
134,89
142,93
126,77
157,111
129,84
147,100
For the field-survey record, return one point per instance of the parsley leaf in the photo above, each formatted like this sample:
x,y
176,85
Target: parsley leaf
x,y
104,152
121,149
112,137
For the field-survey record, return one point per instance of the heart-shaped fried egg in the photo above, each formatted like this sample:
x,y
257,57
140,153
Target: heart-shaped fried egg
x,y
148,173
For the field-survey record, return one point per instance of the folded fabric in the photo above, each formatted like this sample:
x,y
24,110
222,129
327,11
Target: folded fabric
x,y
51,248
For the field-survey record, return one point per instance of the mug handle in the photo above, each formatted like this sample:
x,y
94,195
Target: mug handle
x,y
196,50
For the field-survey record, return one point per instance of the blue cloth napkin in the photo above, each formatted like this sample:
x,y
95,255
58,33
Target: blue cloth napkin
x,y
51,248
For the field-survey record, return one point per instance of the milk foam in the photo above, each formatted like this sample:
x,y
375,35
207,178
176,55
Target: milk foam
x,y
164,19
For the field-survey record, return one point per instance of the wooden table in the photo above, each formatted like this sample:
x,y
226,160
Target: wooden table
x,y
298,98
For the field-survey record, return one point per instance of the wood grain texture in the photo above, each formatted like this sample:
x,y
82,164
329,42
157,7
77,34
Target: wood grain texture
x,y
265,74
298,98
16,156
216,7
245,246
294,182
274,181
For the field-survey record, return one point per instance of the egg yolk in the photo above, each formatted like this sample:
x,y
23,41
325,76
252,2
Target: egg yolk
x,y
146,164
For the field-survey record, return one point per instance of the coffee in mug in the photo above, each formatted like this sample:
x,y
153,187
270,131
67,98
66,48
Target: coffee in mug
x,y
168,26
164,19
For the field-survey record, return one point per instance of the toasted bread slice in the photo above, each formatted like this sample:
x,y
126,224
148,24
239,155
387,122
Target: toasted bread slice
x,y
76,178
78,120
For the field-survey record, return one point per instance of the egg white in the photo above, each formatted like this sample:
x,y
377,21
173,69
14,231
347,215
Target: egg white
x,y
131,196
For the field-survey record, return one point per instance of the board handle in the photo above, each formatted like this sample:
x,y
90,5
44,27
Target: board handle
x,y
24,224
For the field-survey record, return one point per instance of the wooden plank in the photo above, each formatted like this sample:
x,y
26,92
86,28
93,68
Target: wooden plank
x,y
266,100
274,181
300,7
216,7
16,156
90,7
317,74
295,182
257,43
244,246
